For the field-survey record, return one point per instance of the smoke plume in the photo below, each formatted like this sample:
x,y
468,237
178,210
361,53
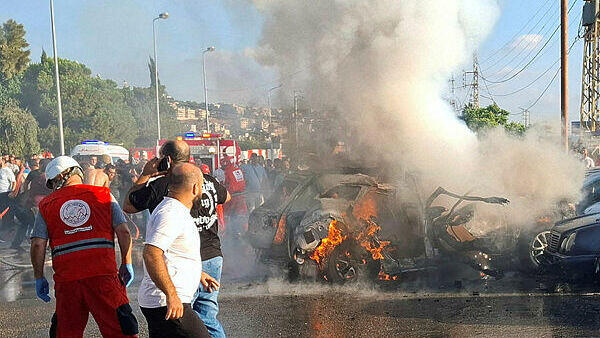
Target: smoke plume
x,y
384,65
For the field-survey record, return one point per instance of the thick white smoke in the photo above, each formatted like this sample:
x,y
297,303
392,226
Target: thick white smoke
x,y
384,64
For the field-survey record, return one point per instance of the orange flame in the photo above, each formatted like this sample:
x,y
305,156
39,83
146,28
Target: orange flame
x,y
333,239
365,240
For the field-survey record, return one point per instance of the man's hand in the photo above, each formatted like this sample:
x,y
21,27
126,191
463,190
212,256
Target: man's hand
x,y
151,168
42,289
126,274
174,307
209,283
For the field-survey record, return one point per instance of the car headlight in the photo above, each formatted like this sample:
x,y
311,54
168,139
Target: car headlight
x,y
567,244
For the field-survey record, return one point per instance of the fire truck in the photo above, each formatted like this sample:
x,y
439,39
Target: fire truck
x,y
208,148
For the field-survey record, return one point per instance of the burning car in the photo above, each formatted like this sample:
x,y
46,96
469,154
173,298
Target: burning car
x,y
340,226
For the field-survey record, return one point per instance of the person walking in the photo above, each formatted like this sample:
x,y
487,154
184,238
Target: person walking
x,y
172,261
149,191
236,211
80,222
255,176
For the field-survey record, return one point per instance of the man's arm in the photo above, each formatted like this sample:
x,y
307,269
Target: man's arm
x,y
124,239
157,270
38,256
150,170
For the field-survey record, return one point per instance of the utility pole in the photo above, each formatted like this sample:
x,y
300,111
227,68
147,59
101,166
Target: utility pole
x,y
474,100
296,98
452,100
564,92
57,80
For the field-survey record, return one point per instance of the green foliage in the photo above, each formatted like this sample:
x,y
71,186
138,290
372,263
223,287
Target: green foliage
x,y
93,108
142,102
482,119
18,131
14,55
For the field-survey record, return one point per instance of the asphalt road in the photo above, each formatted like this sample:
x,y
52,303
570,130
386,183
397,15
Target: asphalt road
x,y
261,306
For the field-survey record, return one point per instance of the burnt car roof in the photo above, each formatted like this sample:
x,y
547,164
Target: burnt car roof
x,y
328,181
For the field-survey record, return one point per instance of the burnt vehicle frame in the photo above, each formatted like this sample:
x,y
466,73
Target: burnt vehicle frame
x,y
409,235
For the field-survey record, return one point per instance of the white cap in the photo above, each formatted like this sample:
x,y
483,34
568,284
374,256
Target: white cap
x,y
58,165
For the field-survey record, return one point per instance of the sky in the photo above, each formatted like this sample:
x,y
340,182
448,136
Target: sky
x,y
114,39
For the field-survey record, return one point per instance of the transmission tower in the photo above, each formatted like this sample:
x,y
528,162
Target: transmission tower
x,y
590,90
474,99
452,99
526,117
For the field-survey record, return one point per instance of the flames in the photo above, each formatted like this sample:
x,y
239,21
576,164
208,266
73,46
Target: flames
x,y
367,239
333,239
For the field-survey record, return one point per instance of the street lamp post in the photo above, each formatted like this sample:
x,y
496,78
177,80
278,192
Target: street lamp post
x,y
209,49
57,79
269,101
160,16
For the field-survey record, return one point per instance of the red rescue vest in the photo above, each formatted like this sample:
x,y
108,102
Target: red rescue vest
x,y
234,179
80,232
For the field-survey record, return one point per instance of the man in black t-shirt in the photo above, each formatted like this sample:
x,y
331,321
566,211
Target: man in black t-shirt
x,y
148,193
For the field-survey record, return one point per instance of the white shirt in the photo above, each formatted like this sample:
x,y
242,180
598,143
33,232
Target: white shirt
x,y
171,228
7,179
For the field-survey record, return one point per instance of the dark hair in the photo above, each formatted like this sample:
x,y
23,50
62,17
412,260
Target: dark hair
x,y
177,151
44,163
109,166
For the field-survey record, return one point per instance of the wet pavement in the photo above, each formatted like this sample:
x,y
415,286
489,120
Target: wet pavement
x,y
265,305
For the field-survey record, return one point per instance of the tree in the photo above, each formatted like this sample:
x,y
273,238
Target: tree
x,y
18,131
492,116
14,55
93,108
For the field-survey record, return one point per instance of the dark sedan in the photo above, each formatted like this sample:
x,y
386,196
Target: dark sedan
x,y
573,247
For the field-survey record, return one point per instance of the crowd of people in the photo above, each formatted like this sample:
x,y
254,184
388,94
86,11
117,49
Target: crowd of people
x,y
184,210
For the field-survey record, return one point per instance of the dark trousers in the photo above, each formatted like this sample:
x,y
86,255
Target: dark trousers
x,y
23,214
189,325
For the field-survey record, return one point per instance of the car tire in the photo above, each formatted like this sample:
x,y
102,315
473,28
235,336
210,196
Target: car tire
x,y
531,249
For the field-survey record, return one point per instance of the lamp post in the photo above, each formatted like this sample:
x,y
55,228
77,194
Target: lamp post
x,y
209,49
269,102
160,16
57,79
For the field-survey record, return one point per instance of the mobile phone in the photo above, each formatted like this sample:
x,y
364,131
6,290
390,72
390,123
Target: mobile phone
x,y
164,164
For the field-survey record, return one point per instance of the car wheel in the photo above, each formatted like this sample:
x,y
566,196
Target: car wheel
x,y
538,244
343,265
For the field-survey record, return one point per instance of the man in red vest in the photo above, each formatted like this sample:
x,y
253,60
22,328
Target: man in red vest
x,y
79,222
236,209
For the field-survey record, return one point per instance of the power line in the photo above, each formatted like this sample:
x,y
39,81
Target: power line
x,y
492,55
534,57
541,32
540,76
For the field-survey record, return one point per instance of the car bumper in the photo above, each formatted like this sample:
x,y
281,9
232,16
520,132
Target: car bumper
x,y
570,265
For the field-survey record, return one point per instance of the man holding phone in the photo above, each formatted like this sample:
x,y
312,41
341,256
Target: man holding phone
x,y
149,191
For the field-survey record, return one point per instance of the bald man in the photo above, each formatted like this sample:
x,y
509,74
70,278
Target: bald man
x,y
172,262
147,195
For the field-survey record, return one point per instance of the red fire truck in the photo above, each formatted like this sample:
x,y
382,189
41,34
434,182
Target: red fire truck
x,y
209,148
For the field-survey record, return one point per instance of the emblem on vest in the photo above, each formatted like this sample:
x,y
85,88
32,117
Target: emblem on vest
x,y
75,213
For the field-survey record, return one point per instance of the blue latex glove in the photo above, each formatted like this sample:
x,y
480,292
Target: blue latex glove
x,y
42,289
126,274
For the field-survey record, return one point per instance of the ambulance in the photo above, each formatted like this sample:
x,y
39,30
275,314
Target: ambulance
x,y
87,149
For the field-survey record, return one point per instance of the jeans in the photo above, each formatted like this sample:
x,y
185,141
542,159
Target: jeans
x,y
205,303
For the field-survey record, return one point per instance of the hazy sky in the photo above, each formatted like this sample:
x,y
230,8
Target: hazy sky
x,y
114,38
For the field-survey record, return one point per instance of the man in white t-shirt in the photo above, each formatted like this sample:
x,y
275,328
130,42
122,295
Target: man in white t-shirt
x,y
7,178
172,262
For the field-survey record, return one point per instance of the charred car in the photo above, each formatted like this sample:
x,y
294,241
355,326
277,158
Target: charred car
x,y
338,227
